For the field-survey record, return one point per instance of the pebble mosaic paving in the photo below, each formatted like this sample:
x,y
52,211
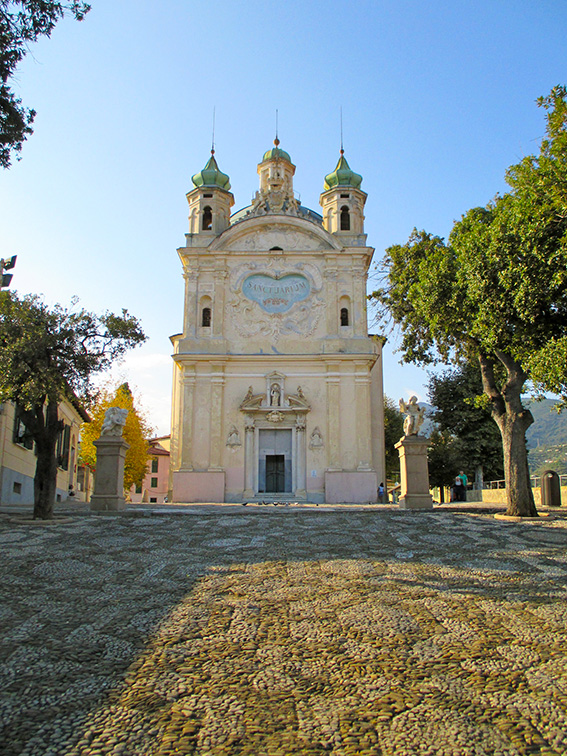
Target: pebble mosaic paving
x,y
289,632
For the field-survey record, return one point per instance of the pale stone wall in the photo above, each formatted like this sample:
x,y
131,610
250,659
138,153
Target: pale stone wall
x,y
274,284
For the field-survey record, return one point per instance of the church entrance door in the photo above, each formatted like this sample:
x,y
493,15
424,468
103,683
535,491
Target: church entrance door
x,y
275,460
275,473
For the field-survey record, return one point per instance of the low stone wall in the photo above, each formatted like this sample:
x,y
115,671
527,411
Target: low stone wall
x,y
498,496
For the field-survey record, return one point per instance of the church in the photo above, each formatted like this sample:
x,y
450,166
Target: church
x,y
277,385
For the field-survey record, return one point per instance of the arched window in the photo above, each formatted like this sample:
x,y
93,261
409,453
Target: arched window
x,y
344,316
345,218
206,317
279,249
207,218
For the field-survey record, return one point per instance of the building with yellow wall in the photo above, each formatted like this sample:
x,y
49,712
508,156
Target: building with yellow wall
x,y
18,461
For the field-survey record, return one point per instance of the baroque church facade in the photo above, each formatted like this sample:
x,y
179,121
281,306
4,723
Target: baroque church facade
x,y
277,386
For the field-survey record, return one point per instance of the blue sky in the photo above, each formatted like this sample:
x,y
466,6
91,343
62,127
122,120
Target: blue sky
x,y
438,100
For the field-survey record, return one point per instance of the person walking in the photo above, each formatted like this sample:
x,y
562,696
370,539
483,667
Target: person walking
x,y
465,482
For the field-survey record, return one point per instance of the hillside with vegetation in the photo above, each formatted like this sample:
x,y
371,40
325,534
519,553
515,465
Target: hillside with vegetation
x,y
547,438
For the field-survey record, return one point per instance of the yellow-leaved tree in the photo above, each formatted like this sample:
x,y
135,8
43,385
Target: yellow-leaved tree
x,y
137,431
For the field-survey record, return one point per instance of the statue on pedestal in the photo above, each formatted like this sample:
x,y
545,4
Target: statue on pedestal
x,y
111,448
415,416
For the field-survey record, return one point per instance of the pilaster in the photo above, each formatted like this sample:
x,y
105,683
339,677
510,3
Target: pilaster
x,y
216,414
362,389
333,415
186,415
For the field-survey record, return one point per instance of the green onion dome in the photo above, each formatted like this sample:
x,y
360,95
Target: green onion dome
x,y
211,175
343,176
276,154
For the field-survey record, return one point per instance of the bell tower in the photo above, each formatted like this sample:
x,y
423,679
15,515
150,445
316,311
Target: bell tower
x,y
343,201
276,183
210,201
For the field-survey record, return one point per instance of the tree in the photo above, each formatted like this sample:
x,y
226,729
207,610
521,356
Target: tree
x,y
393,431
497,292
478,443
22,22
47,355
136,432
443,460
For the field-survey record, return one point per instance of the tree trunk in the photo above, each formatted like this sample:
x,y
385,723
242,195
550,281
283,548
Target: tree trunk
x,y
519,492
513,419
45,480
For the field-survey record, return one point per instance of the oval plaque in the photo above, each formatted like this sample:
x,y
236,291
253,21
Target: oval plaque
x,y
276,294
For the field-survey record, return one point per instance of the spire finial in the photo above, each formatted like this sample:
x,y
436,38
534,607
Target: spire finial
x,y
342,148
213,139
276,140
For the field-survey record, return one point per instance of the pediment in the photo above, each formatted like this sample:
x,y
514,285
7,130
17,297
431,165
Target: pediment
x,y
265,234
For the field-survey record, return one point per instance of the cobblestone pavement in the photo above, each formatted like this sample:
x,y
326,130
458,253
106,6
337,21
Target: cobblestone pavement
x,y
242,631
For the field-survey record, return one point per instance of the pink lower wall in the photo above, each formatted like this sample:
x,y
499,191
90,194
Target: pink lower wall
x,y
198,487
350,487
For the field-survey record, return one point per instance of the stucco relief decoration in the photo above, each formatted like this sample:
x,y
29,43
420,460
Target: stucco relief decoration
x,y
268,237
233,439
316,440
272,301
275,417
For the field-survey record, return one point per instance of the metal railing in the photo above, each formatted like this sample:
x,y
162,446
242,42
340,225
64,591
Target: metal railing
x,y
535,481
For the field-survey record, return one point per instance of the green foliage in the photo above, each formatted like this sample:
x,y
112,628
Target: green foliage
x,y
497,292
47,355
444,459
477,441
500,285
22,22
393,431
136,432
552,457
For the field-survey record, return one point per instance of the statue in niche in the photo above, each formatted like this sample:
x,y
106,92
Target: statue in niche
x,y
316,440
415,416
275,395
233,437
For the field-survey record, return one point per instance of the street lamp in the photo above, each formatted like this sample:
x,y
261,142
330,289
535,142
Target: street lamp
x,y
5,278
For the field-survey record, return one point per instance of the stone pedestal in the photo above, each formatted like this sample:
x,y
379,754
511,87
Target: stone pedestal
x,y
108,495
414,473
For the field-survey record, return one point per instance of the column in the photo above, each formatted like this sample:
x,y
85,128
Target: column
x,y
249,457
300,457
